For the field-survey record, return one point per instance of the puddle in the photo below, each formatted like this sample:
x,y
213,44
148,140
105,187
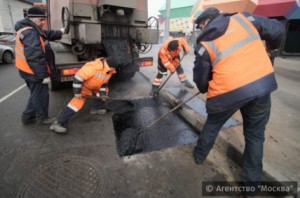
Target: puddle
x,y
133,137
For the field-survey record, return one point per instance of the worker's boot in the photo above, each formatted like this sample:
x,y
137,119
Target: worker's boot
x,y
154,90
196,159
187,84
95,111
56,127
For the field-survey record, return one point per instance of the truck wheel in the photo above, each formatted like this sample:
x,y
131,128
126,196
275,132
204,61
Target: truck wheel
x,y
7,57
55,85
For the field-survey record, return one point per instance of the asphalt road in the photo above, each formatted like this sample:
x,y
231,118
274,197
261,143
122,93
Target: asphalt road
x,y
34,162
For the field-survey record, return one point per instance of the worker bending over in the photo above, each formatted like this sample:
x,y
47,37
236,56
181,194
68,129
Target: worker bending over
x,y
91,79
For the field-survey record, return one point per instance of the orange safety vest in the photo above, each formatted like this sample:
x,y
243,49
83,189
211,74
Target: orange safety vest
x,y
238,57
20,58
166,56
93,75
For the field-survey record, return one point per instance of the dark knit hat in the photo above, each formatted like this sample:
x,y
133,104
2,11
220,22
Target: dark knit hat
x,y
209,13
173,45
36,12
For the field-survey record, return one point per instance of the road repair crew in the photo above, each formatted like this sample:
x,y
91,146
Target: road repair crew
x,y
169,59
31,55
233,67
91,79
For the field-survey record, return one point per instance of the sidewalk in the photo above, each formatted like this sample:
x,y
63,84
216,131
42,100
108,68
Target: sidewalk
x,y
281,148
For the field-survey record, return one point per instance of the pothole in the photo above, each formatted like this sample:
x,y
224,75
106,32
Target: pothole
x,y
133,137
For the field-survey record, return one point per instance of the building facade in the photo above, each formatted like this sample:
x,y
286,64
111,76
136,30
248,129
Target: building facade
x,y
12,11
180,12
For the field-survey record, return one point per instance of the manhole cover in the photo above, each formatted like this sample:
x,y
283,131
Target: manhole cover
x,y
66,177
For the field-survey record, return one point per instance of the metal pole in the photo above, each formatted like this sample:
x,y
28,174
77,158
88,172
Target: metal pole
x,y
167,22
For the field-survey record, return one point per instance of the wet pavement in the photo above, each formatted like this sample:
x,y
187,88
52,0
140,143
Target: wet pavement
x,y
86,162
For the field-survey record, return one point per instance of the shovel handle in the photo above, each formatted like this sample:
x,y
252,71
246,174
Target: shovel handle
x,y
110,99
172,110
170,75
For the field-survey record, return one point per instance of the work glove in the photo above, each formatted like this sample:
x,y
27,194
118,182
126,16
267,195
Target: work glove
x,y
171,68
46,80
63,30
78,96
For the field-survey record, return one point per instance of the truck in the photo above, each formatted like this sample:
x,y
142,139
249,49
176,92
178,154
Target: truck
x,y
100,28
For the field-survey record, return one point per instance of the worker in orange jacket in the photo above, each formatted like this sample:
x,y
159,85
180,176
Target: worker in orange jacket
x,y
233,67
91,79
169,59
32,58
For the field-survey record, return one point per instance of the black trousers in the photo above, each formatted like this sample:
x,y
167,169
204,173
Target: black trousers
x,y
38,102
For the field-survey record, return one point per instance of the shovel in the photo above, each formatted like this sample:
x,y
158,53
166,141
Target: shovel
x,y
109,99
172,110
115,104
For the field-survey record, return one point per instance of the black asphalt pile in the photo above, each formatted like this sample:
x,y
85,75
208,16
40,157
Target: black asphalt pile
x,y
133,137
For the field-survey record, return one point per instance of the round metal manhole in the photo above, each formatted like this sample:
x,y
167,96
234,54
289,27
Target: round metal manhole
x,y
67,177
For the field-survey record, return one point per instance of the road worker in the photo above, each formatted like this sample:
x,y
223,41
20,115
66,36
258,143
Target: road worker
x,y
232,66
169,59
91,80
32,59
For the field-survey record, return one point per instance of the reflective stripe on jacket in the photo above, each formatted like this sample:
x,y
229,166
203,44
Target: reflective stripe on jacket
x,y
90,79
241,70
20,59
166,56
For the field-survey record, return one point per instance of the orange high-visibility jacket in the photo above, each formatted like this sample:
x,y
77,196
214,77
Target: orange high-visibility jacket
x,y
93,75
240,65
20,59
166,56
90,79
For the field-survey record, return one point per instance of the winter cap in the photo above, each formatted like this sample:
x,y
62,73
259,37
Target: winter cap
x,y
36,12
209,13
173,45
